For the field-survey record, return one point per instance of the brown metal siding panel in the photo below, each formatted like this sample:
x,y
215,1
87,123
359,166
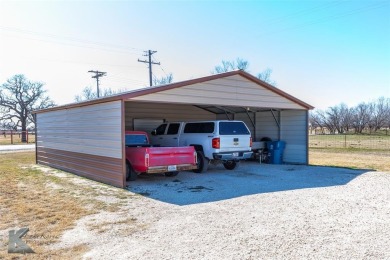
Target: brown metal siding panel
x,y
85,140
103,169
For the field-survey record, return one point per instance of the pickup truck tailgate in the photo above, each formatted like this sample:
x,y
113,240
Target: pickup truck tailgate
x,y
235,143
159,156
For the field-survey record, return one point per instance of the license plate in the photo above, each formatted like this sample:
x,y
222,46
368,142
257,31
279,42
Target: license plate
x,y
172,168
235,154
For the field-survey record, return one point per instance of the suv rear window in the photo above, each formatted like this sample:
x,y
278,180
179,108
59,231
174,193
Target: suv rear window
x,y
197,128
233,128
136,139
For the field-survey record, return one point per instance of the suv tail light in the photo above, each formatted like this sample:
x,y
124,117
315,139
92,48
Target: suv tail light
x,y
250,142
216,143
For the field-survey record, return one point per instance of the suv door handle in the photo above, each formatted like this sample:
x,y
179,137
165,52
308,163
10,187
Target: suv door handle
x,y
175,138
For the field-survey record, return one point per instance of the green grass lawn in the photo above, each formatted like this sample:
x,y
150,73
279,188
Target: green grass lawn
x,y
376,142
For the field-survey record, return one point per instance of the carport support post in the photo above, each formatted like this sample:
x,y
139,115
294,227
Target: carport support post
x,y
277,122
252,122
123,124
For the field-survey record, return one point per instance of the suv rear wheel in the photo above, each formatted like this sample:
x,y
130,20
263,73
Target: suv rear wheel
x,y
230,165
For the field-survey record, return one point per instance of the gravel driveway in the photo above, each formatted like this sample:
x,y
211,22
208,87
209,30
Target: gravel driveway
x,y
254,212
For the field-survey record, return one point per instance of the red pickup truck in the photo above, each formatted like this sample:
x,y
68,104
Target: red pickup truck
x,y
142,158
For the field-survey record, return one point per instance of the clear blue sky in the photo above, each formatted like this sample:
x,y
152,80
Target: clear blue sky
x,y
323,52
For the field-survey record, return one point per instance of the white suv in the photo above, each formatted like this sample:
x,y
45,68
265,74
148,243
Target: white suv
x,y
215,141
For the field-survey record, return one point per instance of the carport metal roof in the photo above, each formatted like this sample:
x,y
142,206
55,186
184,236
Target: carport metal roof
x,y
152,94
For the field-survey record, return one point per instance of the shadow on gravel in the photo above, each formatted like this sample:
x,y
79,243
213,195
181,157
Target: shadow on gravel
x,y
250,178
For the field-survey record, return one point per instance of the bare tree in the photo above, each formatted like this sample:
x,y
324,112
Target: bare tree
x,y
380,114
18,98
163,80
315,121
340,117
266,76
361,117
241,64
89,93
238,64
371,116
322,120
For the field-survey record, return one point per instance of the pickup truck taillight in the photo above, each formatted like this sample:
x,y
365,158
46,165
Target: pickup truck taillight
x,y
250,142
216,143
147,160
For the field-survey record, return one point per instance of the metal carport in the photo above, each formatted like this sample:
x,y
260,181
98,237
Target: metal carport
x,y
87,138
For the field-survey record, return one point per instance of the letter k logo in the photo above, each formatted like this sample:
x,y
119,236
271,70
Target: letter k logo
x,y
15,244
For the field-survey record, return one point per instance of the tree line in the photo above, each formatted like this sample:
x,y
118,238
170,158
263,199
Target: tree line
x,y
366,117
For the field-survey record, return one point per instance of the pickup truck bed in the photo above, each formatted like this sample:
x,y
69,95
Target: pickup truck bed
x,y
142,158
161,159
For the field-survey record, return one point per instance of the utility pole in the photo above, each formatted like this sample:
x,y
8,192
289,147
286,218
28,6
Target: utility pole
x,y
98,74
149,53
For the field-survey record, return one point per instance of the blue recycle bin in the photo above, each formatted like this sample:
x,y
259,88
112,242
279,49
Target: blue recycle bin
x,y
276,149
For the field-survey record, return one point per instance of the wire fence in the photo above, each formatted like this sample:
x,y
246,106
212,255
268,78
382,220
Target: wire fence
x,y
348,141
15,137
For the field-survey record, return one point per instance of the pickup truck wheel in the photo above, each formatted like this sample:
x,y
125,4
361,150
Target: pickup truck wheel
x,y
203,163
230,165
171,174
131,175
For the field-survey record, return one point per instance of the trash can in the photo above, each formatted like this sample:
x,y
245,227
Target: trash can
x,y
276,149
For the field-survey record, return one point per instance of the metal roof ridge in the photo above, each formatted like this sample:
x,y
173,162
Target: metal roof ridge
x,y
155,89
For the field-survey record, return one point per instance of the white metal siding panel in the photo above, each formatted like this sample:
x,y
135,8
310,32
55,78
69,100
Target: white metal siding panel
x,y
147,125
92,130
294,133
244,117
266,125
169,112
230,91
224,117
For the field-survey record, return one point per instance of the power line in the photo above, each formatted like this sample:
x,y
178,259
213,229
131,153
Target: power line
x,y
149,53
98,74
161,68
63,39
327,18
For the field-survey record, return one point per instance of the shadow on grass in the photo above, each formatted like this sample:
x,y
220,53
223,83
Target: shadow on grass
x,y
345,167
250,178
